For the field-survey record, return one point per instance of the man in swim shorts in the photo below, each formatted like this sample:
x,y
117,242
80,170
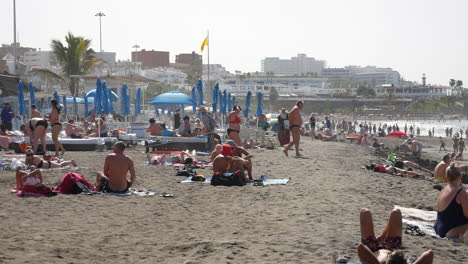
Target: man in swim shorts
x,y
295,122
116,167
440,173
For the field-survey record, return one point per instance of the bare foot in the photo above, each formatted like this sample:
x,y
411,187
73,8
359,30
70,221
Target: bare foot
x,y
285,152
73,163
299,155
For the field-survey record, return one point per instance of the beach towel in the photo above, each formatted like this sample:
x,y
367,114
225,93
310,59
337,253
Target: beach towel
x,y
69,184
199,164
33,191
131,192
423,220
265,182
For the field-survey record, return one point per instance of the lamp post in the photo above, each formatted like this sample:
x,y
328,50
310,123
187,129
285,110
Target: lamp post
x,y
136,47
100,15
14,38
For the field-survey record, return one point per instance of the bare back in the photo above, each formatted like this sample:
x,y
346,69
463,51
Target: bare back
x,y
154,130
440,171
116,168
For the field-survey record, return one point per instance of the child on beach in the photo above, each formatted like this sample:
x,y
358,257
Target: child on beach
x,y
442,145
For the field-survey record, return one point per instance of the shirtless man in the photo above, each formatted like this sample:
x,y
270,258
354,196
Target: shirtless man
x,y
154,129
440,169
46,164
216,152
73,130
238,152
116,167
226,162
36,129
35,113
295,122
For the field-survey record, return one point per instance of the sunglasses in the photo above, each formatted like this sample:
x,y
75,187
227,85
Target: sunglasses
x,y
29,155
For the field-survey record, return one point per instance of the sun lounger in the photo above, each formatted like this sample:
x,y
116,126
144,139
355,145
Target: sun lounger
x,y
177,143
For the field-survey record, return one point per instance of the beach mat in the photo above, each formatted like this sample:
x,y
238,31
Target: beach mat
x,y
422,219
131,192
265,182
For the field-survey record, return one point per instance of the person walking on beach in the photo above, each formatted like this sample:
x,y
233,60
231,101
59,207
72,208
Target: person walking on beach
x,y
455,144
295,122
116,167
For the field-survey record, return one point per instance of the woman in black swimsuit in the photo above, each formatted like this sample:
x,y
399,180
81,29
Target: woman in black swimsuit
x,y
36,129
54,118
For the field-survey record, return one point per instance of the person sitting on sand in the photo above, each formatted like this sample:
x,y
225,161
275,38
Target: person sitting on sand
x,y
45,164
238,151
73,130
441,168
216,152
452,206
154,129
185,128
385,248
227,163
33,177
116,167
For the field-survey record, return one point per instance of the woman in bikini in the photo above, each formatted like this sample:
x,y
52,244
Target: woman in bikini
x,y
234,124
54,119
36,129
39,163
384,249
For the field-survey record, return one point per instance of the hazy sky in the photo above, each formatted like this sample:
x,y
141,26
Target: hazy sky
x,y
411,36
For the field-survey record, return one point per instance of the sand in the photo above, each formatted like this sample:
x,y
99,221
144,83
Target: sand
x,y
306,221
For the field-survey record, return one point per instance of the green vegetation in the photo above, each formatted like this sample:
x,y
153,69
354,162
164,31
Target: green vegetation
x,y
365,91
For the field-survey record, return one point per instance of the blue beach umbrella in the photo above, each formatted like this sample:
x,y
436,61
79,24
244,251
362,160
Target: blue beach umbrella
x,y
138,102
86,106
111,105
56,97
64,105
48,102
75,106
215,97
124,101
97,97
229,103
247,104
200,92
21,105
259,104
224,103
32,99
194,98
105,98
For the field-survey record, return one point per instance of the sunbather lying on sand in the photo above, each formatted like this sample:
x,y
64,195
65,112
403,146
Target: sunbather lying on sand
x,y
33,177
392,170
384,249
46,164
156,160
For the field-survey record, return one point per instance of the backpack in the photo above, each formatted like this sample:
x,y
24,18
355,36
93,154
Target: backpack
x,y
73,183
229,179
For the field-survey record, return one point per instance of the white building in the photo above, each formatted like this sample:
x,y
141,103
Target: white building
x,y
165,75
42,59
106,56
374,76
300,65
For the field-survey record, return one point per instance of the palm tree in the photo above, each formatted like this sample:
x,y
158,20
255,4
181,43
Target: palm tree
x,y
76,58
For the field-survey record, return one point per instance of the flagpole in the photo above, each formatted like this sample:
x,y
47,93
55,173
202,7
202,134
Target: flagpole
x,y
208,36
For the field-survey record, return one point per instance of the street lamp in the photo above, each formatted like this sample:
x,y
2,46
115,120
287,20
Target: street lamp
x,y
14,37
136,47
100,15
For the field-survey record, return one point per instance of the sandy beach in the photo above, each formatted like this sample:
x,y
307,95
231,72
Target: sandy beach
x,y
306,221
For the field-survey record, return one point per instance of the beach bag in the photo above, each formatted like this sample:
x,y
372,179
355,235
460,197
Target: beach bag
x,y
228,179
74,183
187,172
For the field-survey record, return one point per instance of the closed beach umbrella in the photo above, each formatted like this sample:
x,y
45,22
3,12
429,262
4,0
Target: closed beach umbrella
x,y
229,103
21,106
215,97
259,104
223,103
200,92
247,104
56,97
194,98
48,102
75,106
32,99
125,104
156,110
105,98
86,106
64,105
138,102
111,105
97,97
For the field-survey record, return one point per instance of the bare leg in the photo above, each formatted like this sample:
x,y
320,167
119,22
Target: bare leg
x,y
394,226
55,133
367,224
34,143
19,175
99,176
296,138
366,255
425,258
248,167
162,159
68,162
455,232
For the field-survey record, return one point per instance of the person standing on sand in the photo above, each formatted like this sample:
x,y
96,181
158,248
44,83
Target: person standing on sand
x,y
312,122
234,123
455,144
461,147
35,112
442,145
284,135
116,167
295,122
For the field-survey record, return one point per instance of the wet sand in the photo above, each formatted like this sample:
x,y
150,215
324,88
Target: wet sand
x,y
306,221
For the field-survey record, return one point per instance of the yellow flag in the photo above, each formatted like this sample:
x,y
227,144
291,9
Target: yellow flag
x,y
205,43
